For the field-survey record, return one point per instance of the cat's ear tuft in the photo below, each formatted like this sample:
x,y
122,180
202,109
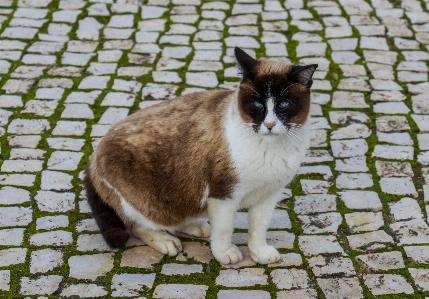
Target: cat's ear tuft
x,y
303,74
245,62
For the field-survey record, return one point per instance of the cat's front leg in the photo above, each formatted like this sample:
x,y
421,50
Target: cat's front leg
x,y
259,219
221,216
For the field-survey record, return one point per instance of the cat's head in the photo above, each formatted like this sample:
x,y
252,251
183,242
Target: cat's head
x,y
274,97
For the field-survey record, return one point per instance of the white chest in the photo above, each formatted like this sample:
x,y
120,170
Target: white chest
x,y
263,162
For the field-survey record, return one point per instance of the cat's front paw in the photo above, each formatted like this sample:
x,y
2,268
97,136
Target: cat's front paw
x,y
197,229
265,255
230,255
166,244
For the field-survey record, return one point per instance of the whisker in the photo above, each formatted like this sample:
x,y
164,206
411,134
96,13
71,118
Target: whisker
x,y
246,130
256,93
294,125
296,138
296,131
286,89
298,145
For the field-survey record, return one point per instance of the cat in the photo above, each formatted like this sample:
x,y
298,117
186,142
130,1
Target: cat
x,y
211,153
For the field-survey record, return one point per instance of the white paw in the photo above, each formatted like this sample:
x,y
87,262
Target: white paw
x,y
166,244
197,229
230,255
265,254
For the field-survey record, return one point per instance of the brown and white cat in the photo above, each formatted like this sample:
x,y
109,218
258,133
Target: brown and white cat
x,y
161,169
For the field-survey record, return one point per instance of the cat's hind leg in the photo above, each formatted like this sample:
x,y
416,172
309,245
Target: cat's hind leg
x,y
154,235
159,240
196,227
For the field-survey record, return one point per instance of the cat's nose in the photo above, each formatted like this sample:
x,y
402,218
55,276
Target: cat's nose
x,y
270,125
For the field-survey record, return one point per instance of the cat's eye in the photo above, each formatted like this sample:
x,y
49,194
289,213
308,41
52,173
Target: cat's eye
x,y
258,105
283,105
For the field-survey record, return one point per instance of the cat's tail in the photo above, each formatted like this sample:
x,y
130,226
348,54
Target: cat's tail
x,y
111,226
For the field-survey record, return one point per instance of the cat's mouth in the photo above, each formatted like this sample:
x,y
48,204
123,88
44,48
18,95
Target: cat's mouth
x,y
270,134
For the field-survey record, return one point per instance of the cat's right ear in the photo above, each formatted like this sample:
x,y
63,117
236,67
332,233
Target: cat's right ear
x,y
245,62
303,74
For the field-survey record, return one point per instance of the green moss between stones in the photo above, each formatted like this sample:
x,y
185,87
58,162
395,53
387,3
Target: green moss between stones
x,y
212,270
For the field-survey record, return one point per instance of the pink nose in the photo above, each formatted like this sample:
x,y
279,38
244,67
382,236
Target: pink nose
x,y
270,125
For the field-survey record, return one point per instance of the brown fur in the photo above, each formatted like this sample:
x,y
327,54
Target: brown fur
x,y
302,95
177,143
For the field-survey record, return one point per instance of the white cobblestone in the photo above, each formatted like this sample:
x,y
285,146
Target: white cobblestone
x,y
90,266
340,287
5,280
383,261
84,290
141,257
190,291
242,277
364,221
45,260
42,285
370,241
380,284
314,245
367,200
52,222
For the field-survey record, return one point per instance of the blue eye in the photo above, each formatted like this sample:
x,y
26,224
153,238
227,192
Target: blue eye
x,y
258,105
283,105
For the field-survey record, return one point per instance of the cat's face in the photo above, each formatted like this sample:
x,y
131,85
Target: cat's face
x,y
274,97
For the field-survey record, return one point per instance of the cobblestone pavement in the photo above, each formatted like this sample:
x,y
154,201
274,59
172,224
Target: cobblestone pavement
x,y
354,224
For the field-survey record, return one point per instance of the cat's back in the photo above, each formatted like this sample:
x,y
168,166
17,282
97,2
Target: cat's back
x,y
189,115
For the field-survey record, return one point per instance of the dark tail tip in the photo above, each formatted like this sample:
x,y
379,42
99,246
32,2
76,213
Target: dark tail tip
x,y
116,237
111,226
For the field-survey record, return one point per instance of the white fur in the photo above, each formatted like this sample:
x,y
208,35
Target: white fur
x,y
270,118
265,164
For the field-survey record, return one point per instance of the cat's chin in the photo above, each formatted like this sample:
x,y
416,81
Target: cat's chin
x,y
270,135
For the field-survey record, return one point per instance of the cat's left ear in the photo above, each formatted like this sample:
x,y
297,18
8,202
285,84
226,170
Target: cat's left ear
x,y
303,74
245,62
